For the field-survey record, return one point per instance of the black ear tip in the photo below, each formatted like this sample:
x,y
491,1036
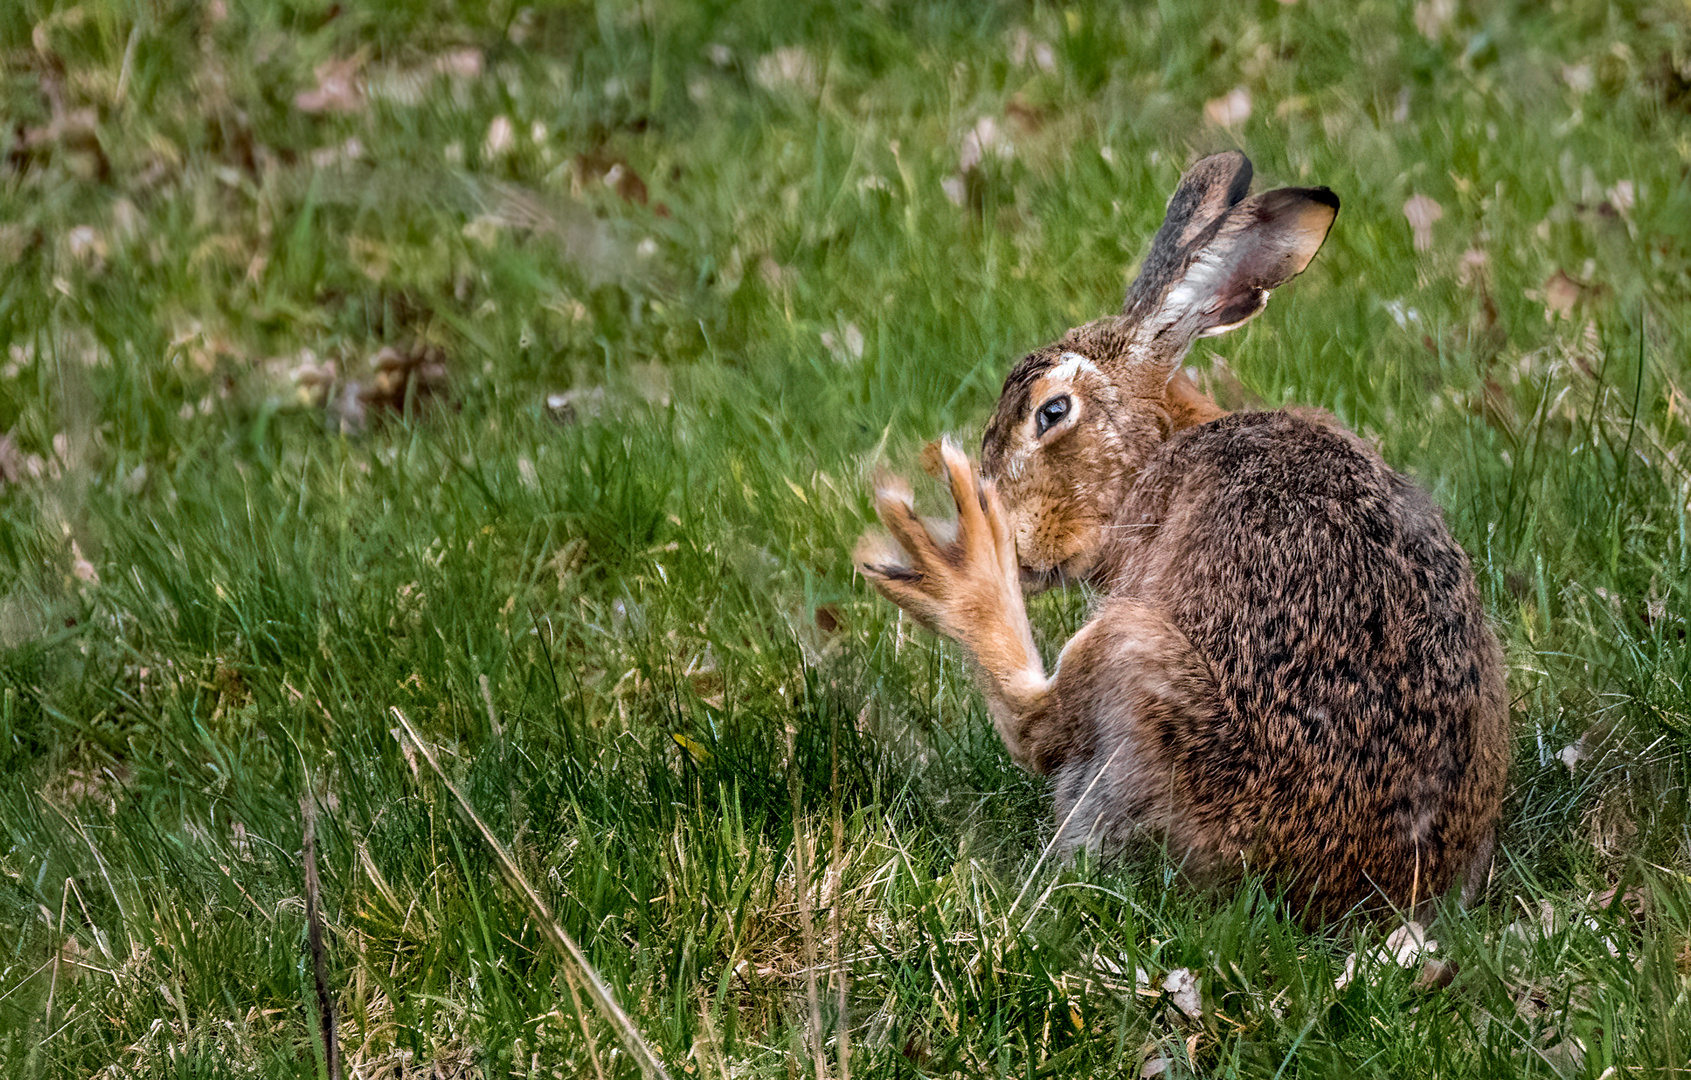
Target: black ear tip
x,y
1324,196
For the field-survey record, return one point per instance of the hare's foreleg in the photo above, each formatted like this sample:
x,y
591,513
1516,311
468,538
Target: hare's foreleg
x,y
1128,689
1127,672
968,589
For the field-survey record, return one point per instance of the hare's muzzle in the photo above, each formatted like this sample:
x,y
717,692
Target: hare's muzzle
x,y
1037,581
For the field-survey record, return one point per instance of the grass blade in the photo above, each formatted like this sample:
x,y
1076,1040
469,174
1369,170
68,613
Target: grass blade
x,y
574,959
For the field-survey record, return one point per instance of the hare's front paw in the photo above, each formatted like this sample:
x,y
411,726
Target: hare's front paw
x,y
968,588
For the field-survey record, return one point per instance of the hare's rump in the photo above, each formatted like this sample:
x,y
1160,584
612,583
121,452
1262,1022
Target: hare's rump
x,y
1355,739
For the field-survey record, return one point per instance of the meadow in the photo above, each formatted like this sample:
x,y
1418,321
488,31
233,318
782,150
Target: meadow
x,y
516,374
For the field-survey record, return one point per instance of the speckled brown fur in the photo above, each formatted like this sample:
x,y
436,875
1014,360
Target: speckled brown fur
x,y
1290,670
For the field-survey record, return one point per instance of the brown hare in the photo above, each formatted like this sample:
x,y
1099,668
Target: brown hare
x,y
1289,670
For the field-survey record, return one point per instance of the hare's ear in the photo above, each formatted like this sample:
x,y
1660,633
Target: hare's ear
x,y
1218,255
1208,190
1224,275
1262,243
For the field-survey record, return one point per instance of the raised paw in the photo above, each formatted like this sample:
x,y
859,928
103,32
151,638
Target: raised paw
x,y
963,581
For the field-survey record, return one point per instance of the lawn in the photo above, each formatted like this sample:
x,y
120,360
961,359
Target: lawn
x,y
516,374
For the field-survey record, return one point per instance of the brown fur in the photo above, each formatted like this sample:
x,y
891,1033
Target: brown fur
x,y
1291,670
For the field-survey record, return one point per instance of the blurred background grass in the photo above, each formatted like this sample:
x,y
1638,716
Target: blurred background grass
x,y
522,367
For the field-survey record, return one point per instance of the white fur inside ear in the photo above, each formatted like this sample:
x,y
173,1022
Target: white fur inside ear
x,y
1197,286
1072,364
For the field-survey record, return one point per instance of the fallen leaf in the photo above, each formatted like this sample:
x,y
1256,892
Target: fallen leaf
x,y
501,137
828,618
81,568
337,88
774,274
1572,754
1634,901
1472,267
980,142
789,68
419,369
1405,947
74,133
330,157
408,86
85,245
17,466
1231,109
1432,16
1025,47
465,63
615,173
314,380
1182,987
1562,293
1408,942
572,405
1623,196
845,347
699,752
1421,212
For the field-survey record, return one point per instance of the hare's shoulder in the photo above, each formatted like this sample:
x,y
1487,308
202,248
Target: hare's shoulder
x,y
1276,458
1259,478
1289,515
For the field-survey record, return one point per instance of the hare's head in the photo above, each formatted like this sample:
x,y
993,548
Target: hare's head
x,y
1078,419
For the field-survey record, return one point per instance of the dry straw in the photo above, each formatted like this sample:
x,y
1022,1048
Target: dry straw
x,y
575,961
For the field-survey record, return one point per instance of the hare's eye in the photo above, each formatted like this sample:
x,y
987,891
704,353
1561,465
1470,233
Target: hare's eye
x,y
1050,414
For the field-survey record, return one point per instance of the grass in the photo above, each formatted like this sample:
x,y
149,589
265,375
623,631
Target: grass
x,y
658,285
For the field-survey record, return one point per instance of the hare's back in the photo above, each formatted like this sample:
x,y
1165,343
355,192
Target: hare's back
x,y
1347,639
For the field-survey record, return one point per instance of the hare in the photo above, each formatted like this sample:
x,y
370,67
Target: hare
x,y
1289,670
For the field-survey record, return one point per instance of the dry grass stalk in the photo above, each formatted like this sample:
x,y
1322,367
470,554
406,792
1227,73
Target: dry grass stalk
x,y
801,869
581,1019
836,870
314,940
574,959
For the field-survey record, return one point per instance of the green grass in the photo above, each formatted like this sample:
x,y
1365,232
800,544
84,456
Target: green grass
x,y
217,576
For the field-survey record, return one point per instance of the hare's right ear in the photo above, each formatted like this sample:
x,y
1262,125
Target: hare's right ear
x,y
1216,257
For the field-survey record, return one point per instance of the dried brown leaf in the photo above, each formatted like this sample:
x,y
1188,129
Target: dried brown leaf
x,y
1563,293
1231,109
1422,212
598,167
338,88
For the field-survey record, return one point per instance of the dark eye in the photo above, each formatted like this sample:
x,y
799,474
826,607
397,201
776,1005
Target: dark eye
x,y
1050,414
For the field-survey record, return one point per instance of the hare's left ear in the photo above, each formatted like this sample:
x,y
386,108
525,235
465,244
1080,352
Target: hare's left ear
x,y
1264,242
1214,261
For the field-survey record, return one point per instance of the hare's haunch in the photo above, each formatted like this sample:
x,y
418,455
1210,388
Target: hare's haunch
x,y
1290,670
